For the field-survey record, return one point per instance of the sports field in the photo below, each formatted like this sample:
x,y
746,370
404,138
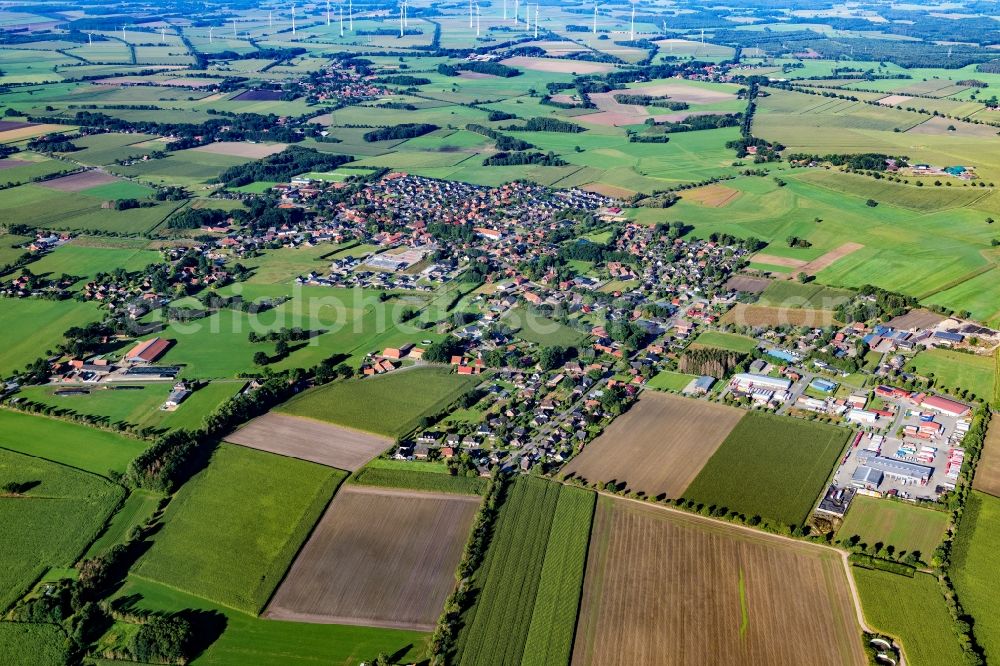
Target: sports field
x,y
658,447
771,466
231,532
378,557
913,611
388,405
49,521
905,527
745,593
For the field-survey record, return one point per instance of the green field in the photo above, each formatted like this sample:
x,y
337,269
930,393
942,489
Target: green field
x,y
252,640
542,330
387,405
771,466
231,532
78,446
667,380
140,403
32,327
904,526
911,610
135,511
415,479
785,293
955,371
736,343
975,558
32,644
51,524
530,581
86,262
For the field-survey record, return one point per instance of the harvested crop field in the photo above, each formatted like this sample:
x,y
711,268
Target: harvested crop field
x,y
557,66
378,557
254,151
894,100
987,477
6,125
658,446
751,285
713,196
79,181
259,96
764,315
307,439
28,130
680,93
831,257
918,318
740,596
772,260
10,163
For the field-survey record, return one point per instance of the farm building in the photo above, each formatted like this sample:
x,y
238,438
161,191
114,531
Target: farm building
x,y
892,468
700,385
179,393
945,406
746,382
946,338
148,351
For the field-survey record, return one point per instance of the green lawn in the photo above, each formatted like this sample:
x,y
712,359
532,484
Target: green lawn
x,y
387,405
52,523
905,526
231,532
34,326
251,640
953,371
771,466
75,445
86,262
975,561
542,330
736,343
912,610
670,381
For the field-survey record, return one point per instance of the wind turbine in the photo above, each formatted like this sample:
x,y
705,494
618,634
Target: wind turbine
x,y
536,21
270,19
90,38
342,20
477,19
235,35
631,30
595,19
470,13
210,35
163,35
400,21
123,34
328,12
516,9
504,10
702,36
293,20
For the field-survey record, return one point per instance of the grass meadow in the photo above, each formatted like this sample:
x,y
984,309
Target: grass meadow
x,y
388,405
904,526
231,532
33,327
387,475
728,341
911,610
954,371
51,523
668,380
770,466
78,446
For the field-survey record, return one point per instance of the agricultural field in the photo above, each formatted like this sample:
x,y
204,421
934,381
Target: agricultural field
x,y
78,446
275,643
530,577
85,261
658,447
310,439
954,372
788,294
414,475
33,327
33,644
912,610
905,527
50,521
390,405
770,466
973,568
728,341
764,315
745,593
413,542
987,477
231,532
135,511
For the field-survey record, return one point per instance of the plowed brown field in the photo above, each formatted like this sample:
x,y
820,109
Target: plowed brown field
x,y
664,587
378,557
658,446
